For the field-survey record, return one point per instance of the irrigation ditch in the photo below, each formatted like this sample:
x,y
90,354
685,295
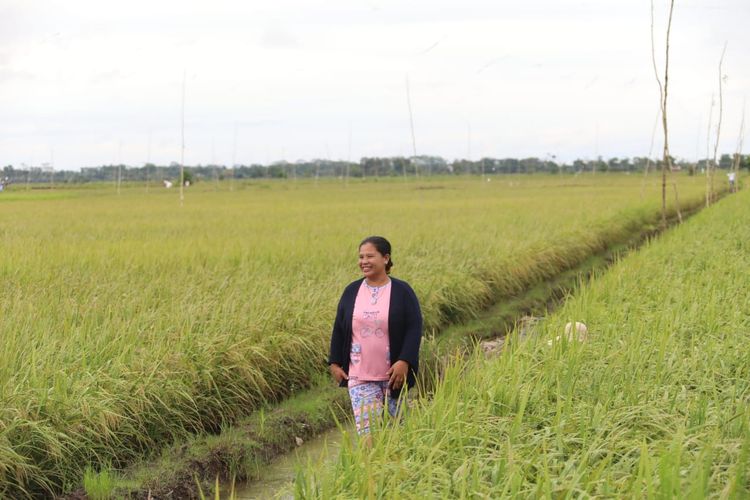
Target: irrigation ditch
x,y
240,452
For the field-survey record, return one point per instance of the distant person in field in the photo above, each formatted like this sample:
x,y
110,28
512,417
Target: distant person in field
x,y
376,336
732,178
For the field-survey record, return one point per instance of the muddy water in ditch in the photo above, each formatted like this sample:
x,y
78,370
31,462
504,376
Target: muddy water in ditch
x,y
275,479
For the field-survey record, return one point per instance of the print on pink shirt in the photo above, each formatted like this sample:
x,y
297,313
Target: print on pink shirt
x,y
376,327
369,356
356,353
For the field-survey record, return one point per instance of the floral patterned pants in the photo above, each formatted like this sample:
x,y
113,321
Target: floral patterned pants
x,y
368,400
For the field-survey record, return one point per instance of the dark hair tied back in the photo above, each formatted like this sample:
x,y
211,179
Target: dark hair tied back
x,y
383,247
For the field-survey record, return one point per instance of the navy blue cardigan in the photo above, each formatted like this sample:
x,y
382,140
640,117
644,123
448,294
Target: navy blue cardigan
x,y
404,328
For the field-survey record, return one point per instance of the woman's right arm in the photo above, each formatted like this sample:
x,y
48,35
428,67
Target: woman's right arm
x,y
335,353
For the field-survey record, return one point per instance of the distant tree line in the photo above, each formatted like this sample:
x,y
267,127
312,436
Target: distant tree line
x,y
366,167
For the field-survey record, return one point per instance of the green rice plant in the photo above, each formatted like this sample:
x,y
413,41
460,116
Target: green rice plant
x,y
654,404
99,485
129,323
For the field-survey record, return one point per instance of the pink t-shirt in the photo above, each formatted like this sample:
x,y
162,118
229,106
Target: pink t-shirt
x,y
370,359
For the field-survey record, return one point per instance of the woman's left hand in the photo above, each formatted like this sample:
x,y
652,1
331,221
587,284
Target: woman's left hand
x,y
397,374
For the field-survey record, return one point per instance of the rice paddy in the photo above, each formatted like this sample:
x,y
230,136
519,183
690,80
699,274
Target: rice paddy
x,y
655,403
129,322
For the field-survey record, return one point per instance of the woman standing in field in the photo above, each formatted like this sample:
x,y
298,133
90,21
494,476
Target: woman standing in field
x,y
376,336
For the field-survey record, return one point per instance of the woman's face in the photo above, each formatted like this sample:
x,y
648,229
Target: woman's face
x,y
371,262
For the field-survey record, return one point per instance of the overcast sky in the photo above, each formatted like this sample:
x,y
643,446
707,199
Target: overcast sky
x,y
95,82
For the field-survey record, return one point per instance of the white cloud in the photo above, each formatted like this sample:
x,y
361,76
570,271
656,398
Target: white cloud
x,y
532,78
277,36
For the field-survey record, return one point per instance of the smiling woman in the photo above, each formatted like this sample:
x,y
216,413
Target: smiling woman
x,y
376,336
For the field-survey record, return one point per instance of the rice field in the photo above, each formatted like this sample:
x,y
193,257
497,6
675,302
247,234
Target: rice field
x,y
129,322
655,403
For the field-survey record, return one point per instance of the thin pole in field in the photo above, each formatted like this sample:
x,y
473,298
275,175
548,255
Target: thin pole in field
x,y
667,155
718,126
293,166
30,166
403,170
349,156
411,123
596,149
119,166
213,163
650,151
234,158
698,144
148,158
468,151
52,166
182,146
708,152
667,161
738,151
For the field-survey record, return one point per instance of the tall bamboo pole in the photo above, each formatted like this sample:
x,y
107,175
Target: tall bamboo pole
x,y
667,160
718,127
119,166
148,159
234,158
52,166
596,149
708,153
411,123
738,151
182,146
349,156
213,164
